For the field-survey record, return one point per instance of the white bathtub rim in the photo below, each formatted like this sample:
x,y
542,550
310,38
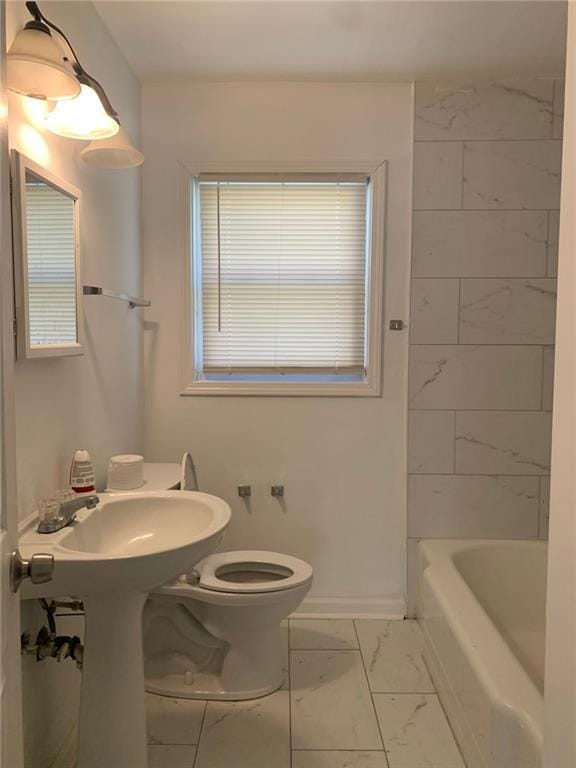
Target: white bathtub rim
x,y
507,682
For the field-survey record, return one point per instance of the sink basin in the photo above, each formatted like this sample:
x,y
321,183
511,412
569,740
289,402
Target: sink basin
x,y
133,542
111,557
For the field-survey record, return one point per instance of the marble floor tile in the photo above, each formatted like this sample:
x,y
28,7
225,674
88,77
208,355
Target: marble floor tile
x,y
392,653
322,634
173,721
342,759
331,703
415,731
174,756
246,734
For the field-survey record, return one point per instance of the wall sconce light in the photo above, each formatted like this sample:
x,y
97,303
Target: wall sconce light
x,y
35,66
116,152
83,117
38,68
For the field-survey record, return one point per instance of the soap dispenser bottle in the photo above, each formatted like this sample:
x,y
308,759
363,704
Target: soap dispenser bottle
x,y
82,478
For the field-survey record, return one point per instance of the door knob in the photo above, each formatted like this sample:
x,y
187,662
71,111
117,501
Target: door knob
x,y
39,569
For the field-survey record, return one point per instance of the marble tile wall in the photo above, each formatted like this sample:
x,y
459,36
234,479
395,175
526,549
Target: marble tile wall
x,y
487,164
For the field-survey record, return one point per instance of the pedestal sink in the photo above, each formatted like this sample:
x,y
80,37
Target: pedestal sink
x,y
110,557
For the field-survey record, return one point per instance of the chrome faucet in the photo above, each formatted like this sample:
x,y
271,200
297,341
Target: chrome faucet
x,y
66,513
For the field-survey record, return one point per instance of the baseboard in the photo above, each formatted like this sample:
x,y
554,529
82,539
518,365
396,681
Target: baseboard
x,y
350,608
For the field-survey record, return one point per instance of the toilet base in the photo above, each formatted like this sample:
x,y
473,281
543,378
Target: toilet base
x,y
207,687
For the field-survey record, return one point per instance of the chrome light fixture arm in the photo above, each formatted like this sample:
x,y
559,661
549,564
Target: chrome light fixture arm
x,y
81,74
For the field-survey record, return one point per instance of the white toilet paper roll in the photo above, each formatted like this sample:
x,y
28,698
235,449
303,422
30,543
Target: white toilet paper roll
x,y
126,472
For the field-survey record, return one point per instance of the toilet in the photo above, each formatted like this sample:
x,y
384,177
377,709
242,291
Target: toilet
x,y
216,634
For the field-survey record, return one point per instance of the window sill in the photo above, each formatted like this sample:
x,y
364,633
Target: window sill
x,y
358,388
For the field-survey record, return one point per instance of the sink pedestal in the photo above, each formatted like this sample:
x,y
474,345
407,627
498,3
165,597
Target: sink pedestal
x,y
112,728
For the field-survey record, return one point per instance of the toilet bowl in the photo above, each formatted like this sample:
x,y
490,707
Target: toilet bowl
x,y
215,634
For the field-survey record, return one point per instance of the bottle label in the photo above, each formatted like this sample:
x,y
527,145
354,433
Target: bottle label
x,y
82,475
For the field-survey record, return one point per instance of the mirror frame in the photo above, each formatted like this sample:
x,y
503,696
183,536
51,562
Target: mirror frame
x,y
24,350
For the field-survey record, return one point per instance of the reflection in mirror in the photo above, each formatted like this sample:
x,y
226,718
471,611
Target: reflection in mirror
x,y
51,264
46,215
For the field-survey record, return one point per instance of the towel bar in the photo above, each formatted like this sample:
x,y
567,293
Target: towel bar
x,y
133,301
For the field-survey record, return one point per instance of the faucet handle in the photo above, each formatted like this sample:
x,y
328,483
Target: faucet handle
x,y
48,510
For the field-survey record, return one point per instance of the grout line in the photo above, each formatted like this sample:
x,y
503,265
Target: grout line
x,y
483,410
542,276
542,381
476,140
316,749
455,436
553,115
194,764
492,343
547,244
463,177
540,510
459,310
484,210
327,648
289,674
370,691
480,474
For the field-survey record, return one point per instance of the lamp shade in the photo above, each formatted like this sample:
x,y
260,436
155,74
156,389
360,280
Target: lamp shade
x,y
35,68
116,152
82,118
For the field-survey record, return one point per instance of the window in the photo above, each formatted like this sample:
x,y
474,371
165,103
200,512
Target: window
x,y
282,267
51,264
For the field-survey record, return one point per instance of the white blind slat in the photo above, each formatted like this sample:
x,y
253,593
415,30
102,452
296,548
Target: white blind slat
x,y
51,264
284,289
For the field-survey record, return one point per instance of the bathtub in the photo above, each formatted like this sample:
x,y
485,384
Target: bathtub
x,y
481,606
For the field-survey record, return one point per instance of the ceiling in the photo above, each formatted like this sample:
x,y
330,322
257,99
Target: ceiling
x,y
341,40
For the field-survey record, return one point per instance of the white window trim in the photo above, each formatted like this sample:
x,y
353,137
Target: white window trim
x,y
371,385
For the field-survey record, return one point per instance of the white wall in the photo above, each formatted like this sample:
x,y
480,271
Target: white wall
x,y
560,690
343,461
94,401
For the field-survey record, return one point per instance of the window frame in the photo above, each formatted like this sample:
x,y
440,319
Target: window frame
x,y
371,384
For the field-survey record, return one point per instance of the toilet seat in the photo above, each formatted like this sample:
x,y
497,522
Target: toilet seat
x,y
238,572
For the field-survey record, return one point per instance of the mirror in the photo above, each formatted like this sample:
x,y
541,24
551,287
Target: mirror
x,y
47,262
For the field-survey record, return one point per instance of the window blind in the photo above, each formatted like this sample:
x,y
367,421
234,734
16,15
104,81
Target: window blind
x,y
51,265
283,274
